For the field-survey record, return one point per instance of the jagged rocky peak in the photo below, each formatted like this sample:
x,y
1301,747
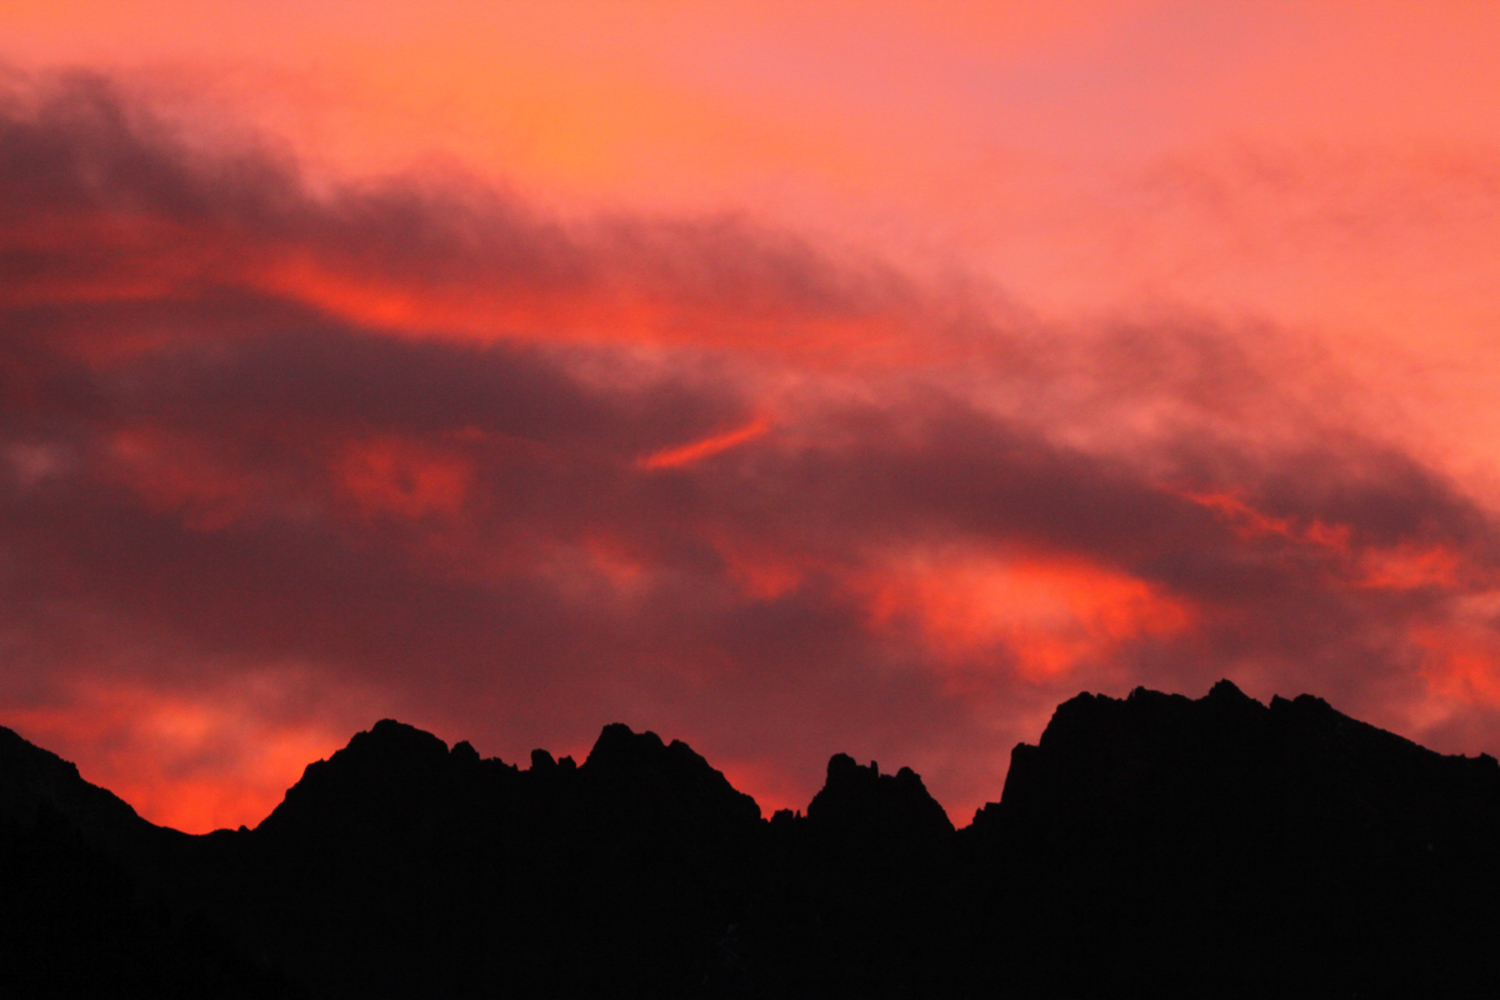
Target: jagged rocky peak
x,y
1156,766
388,750
620,746
1226,691
463,752
544,764
390,743
1144,713
1150,715
385,775
860,798
626,765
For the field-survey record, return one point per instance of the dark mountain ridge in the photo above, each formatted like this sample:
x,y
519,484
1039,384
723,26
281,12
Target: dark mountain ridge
x,y
1154,843
1281,776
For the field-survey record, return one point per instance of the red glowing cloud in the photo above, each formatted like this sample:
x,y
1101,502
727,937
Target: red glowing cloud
x,y
1039,618
287,446
687,454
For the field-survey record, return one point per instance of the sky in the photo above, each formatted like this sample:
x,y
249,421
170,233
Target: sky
x,y
784,378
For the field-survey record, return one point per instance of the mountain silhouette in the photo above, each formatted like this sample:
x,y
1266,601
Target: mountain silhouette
x,y
1152,845
89,900
1160,842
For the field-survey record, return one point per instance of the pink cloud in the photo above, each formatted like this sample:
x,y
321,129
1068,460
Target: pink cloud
x,y
462,462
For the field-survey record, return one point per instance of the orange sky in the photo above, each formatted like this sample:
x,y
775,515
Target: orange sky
x,y
854,377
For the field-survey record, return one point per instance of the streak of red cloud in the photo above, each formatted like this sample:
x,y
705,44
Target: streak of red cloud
x,y
1251,523
697,451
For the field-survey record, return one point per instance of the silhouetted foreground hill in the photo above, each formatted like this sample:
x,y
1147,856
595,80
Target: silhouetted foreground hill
x,y
1148,846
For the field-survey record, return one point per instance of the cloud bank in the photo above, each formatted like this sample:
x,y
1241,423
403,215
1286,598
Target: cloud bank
x,y
276,461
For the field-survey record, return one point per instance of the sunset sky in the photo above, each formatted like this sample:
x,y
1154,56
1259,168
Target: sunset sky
x,y
785,378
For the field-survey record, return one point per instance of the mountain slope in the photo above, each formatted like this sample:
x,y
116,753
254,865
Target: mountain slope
x,y
1153,844
1288,842
87,895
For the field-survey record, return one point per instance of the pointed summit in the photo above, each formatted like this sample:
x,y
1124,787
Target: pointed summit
x,y
861,800
619,745
386,775
639,772
389,742
1226,690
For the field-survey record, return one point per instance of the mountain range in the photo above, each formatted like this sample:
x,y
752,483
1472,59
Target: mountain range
x,y
1153,845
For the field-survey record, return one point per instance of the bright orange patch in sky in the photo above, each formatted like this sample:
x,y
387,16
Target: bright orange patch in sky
x,y
1463,664
171,757
1050,615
